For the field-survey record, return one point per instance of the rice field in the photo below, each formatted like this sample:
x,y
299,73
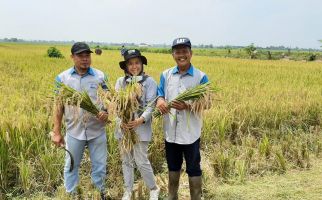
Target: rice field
x,y
266,120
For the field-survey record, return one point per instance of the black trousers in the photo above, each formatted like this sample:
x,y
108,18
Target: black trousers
x,y
190,152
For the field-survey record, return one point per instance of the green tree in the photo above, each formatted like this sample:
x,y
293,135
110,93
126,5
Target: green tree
x,y
251,51
53,52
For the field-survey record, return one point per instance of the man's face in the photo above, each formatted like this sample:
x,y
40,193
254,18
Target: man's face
x,y
82,60
182,55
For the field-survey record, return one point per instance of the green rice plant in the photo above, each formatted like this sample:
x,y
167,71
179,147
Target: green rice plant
x,y
50,165
156,147
4,158
25,174
281,161
241,166
223,164
114,164
249,154
265,147
305,155
318,148
199,96
222,129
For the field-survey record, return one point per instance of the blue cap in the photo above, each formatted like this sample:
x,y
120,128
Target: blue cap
x,y
181,41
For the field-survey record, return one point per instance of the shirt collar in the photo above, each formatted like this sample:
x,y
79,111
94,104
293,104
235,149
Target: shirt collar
x,y
190,70
135,79
139,78
90,71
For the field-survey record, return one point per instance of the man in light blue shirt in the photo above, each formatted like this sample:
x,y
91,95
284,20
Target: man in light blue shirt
x,y
82,128
182,127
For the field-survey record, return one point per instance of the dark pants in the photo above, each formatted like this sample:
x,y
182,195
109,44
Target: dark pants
x,y
190,152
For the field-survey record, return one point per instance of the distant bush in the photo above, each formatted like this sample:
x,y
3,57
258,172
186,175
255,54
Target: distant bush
x,y
251,51
269,55
53,52
311,57
98,51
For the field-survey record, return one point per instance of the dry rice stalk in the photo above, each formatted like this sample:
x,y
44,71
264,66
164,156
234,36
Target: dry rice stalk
x,y
108,100
127,105
204,103
124,104
69,96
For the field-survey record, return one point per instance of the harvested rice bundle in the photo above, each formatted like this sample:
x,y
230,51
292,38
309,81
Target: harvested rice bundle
x,y
124,103
199,98
70,96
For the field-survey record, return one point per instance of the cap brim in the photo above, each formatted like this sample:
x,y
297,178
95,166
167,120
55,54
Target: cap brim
x,y
186,45
83,50
123,63
144,60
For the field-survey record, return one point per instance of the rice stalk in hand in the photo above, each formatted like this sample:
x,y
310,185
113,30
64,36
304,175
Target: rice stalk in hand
x,y
127,104
203,103
124,103
70,96
108,99
199,97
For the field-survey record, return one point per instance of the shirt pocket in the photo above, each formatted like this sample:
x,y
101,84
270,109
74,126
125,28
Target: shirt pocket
x,y
172,89
188,82
91,89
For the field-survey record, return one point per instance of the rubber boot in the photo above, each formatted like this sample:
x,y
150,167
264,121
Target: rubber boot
x,y
195,184
173,185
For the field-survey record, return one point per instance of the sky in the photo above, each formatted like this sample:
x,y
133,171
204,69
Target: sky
x,y
291,23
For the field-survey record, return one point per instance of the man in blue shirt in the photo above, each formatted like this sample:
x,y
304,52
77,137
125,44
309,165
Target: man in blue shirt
x,y
82,129
182,127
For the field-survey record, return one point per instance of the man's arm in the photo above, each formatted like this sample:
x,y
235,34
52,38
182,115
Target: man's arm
x,y
57,137
161,103
58,111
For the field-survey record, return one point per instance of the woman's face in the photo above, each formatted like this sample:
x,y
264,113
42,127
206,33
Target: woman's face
x,y
134,66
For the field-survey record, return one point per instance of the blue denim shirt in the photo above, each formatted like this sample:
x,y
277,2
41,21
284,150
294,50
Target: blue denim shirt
x,y
149,87
181,127
83,125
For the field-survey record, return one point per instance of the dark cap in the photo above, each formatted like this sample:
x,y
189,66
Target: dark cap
x,y
132,53
80,47
181,41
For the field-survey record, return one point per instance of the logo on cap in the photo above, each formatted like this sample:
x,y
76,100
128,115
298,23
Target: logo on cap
x,y
131,51
181,40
